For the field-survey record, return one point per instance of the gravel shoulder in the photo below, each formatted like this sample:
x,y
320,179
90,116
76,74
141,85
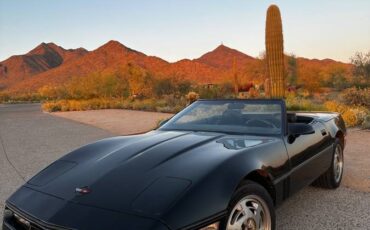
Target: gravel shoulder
x,y
357,160
117,121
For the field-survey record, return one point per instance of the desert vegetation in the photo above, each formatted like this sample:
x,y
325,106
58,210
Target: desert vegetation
x,y
115,76
329,88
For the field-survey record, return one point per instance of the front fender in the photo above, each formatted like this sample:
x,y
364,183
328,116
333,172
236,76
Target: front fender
x,y
209,196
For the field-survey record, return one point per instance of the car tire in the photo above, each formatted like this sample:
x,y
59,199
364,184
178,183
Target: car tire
x,y
332,178
250,207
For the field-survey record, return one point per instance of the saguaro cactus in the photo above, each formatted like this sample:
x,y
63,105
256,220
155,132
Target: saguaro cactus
x,y
236,80
275,52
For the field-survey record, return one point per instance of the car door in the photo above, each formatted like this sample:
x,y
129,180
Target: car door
x,y
310,156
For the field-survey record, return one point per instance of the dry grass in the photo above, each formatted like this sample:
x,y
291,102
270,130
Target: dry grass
x,y
159,105
353,114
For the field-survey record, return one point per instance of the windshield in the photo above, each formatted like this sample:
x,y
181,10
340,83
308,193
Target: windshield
x,y
230,116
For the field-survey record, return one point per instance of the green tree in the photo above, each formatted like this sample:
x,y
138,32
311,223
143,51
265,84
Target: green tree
x,y
309,78
123,89
140,82
163,87
337,79
292,70
361,68
183,87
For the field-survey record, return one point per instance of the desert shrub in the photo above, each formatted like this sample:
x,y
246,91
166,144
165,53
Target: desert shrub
x,y
357,97
366,123
171,100
94,104
294,103
4,97
146,105
164,87
51,106
172,106
350,118
19,98
335,77
191,97
352,115
183,87
214,91
177,109
361,68
253,93
49,92
165,109
335,107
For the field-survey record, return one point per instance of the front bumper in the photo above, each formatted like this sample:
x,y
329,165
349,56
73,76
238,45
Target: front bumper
x,y
30,209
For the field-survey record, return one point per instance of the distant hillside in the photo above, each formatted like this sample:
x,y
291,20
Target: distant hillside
x,y
223,57
44,57
49,64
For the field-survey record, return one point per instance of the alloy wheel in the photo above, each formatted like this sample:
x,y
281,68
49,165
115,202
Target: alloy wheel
x,y
250,213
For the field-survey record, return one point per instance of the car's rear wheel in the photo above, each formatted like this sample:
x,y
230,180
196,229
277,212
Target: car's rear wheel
x,y
251,208
332,178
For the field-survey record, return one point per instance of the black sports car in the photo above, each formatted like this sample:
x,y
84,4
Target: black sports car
x,y
218,164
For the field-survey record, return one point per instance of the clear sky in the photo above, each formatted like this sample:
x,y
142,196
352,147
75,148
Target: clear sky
x,y
176,29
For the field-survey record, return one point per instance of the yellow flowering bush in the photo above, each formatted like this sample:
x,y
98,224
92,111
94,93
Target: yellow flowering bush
x,y
191,97
335,107
352,115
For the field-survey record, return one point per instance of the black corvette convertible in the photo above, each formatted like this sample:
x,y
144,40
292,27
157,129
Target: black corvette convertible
x,y
218,164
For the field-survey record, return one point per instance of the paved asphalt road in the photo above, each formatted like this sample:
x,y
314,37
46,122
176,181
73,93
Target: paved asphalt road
x,y
30,140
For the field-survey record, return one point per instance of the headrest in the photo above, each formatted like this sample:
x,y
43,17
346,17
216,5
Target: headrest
x,y
291,117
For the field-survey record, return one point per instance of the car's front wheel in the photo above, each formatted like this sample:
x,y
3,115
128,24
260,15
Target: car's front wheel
x,y
251,208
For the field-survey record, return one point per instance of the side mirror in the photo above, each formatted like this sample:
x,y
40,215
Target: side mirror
x,y
162,122
297,129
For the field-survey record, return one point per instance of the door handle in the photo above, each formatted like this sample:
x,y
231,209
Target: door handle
x,y
323,132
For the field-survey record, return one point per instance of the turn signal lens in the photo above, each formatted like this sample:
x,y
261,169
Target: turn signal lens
x,y
213,226
23,221
7,213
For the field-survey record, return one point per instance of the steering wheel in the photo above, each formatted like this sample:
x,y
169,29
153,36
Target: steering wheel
x,y
260,123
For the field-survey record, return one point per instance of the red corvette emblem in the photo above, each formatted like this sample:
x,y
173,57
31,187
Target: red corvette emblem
x,y
83,190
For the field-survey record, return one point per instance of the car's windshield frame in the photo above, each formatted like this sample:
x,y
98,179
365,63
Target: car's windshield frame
x,y
281,103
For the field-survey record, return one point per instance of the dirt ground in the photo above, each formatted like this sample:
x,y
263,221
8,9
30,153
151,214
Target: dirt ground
x,y
117,121
123,122
357,160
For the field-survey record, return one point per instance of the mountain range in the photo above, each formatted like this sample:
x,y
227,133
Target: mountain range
x,y
49,64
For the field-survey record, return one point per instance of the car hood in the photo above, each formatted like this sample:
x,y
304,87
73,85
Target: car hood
x,y
139,173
